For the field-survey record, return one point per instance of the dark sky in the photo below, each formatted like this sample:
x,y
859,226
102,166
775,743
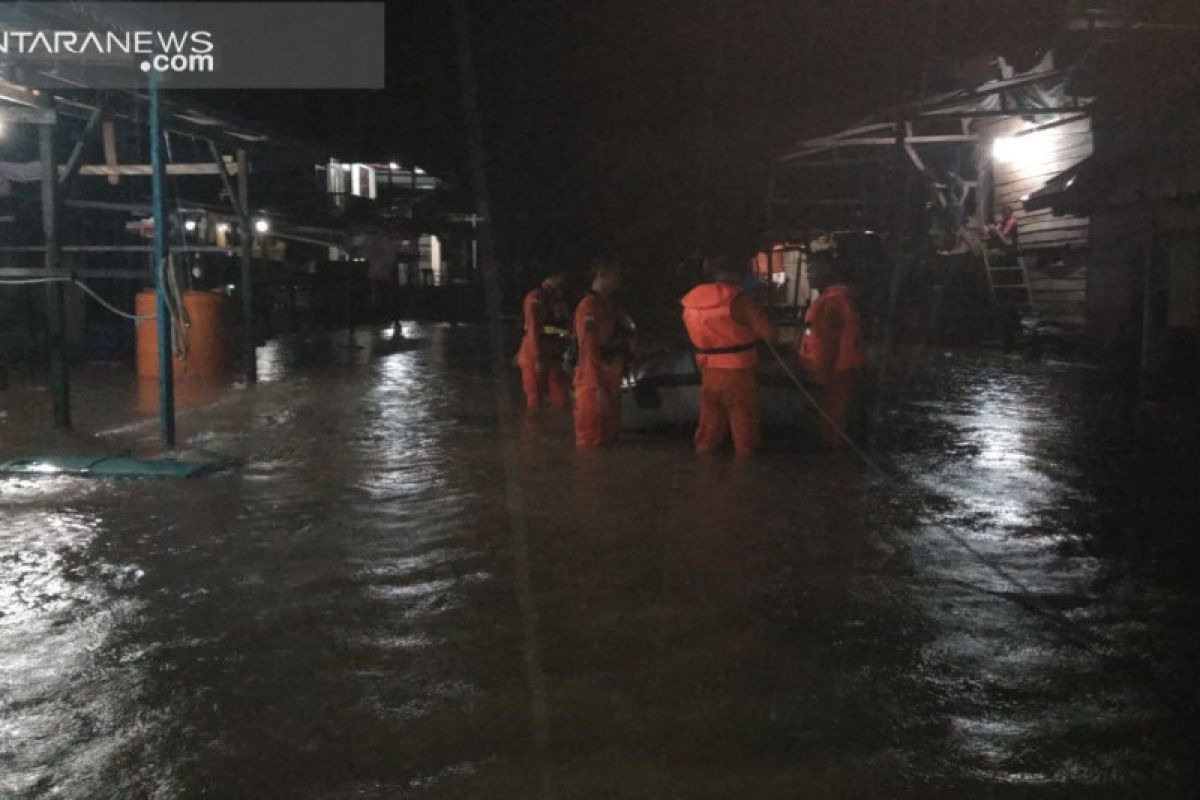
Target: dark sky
x,y
644,128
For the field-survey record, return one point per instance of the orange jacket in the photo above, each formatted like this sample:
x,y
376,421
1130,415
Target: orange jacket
x,y
545,314
832,339
596,319
723,324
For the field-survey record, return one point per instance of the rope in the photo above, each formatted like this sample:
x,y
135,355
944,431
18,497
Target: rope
x,y
180,320
92,293
1075,633
87,289
27,281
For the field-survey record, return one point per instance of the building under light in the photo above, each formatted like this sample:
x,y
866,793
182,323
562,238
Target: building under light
x,y
970,153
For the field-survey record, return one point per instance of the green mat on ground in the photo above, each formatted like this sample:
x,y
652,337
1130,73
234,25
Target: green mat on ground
x,y
110,467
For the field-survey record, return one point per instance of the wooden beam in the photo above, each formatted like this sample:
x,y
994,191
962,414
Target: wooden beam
x,y
110,150
890,141
16,93
29,116
40,272
141,170
855,131
824,145
912,151
144,170
223,171
1055,124
138,208
1012,112
77,151
110,248
844,162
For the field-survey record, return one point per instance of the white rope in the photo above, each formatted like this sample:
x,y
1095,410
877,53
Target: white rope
x,y
92,292
813,402
866,459
27,281
87,289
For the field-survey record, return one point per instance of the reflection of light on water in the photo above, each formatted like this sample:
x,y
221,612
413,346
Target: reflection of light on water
x,y
1002,427
396,369
988,544
270,361
56,611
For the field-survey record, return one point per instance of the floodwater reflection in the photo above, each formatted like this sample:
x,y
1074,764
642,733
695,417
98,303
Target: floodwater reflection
x,y
340,617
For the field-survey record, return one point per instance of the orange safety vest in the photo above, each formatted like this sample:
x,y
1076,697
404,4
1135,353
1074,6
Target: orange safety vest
x,y
720,341
557,314
814,351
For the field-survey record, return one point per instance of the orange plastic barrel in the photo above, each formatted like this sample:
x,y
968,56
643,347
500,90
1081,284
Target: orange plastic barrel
x,y
210,336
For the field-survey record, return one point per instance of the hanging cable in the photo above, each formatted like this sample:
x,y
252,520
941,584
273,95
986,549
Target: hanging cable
x,y
83,286
95,296
181,322
28,281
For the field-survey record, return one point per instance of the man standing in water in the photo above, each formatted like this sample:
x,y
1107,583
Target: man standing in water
x,y
601,332
831,347
723,324
546,331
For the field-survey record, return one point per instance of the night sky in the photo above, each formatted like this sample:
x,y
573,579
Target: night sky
x,y
644,128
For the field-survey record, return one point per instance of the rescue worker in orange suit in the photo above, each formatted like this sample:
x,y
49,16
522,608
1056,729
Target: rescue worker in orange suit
x,y
724,324
547,318
831,347
601,334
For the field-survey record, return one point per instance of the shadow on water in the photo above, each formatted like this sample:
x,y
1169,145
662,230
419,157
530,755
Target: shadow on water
x,y
339,618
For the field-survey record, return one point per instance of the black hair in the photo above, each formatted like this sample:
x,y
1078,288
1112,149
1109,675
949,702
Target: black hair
x,y
605,265
825,258
725,264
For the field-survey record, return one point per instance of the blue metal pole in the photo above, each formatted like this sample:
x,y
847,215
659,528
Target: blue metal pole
x,y
166,376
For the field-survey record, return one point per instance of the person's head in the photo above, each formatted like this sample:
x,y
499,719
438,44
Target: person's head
x,y
729,267
556,280
822,269
606,276
1006,212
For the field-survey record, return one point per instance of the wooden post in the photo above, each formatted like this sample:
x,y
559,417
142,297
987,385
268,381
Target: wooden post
x,y
898,235
59,379
1146,359
249,359
162,312
770,237
514,494
110,150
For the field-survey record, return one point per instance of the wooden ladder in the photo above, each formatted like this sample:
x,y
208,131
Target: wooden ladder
x,y
1008,283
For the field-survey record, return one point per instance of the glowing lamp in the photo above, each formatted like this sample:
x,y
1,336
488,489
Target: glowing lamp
x,y
1020,150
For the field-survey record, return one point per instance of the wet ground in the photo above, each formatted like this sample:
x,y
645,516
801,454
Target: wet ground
x,y
378,604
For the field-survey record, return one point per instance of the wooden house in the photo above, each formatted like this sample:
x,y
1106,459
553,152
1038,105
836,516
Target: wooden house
x,y
963,156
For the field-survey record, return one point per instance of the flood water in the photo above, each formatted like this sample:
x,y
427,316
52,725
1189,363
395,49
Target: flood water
x,y
386,600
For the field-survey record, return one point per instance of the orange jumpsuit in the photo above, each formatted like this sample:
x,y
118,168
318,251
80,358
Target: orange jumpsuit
x,y
723,325
598,374
546,332
831,353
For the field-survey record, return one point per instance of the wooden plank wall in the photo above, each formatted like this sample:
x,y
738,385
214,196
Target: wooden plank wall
x,y
1045,239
